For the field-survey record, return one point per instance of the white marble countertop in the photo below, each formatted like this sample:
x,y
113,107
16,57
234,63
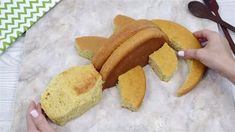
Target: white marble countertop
x,y
10,60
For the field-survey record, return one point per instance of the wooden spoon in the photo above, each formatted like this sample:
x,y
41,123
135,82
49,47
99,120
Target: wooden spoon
x,y
213,6
200,10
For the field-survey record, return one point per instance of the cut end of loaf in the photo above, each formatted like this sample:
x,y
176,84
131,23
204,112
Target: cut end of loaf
x,y
164,62
72,93
158,71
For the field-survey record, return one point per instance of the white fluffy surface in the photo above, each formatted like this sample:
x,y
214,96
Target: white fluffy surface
x,y
49,49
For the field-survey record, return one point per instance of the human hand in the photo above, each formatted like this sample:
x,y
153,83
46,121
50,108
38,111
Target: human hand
x,y
215,54
36,121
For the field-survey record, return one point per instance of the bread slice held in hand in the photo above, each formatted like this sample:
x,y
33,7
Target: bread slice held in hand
x,y
71,93
180,39
132,87
164,62
89,45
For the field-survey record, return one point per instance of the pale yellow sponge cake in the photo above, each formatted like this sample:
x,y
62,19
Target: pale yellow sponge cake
x,y
88,46
132,87
164,62
180,39
71,93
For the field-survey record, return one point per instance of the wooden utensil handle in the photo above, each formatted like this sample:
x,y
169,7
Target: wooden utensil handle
x,y
226,33
229,38
227,25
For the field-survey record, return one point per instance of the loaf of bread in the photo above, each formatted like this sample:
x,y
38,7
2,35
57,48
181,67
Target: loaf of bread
x,y
164,62
132,87
71,93
88,46
180,39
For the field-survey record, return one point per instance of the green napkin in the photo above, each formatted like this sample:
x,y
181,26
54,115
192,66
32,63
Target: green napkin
x,y
17,16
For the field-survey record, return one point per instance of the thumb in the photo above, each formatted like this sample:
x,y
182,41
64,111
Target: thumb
x,y
189,53
40,121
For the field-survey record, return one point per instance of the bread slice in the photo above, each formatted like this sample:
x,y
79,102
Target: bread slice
x,y
117,39
88,46
71,93
132,87
180,39
164,62
132,52
120,21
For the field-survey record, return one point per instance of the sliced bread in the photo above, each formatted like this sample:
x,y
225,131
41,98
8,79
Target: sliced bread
x,y
132,87
164,62
88,46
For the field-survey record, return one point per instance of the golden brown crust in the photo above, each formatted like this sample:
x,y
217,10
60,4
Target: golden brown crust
x,y
133,52
91,43
132,86
178,34
196,72
181,38
117,39
121,21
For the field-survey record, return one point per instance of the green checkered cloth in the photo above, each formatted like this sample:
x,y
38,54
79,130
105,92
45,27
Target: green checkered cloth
x,y
17,16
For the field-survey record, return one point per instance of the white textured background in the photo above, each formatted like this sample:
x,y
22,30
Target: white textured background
x,y
11,59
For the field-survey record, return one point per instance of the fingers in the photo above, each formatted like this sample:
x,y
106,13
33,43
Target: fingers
x,y
202,40
39,109
190,54
204,35
35,119
30,124
39,120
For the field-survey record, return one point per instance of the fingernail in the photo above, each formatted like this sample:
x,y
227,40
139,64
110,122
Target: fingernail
x,y
34,113
180,53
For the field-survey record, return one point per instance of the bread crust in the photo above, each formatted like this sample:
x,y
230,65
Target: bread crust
x,y
88,46
132,87
133,52
117,39
181,38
